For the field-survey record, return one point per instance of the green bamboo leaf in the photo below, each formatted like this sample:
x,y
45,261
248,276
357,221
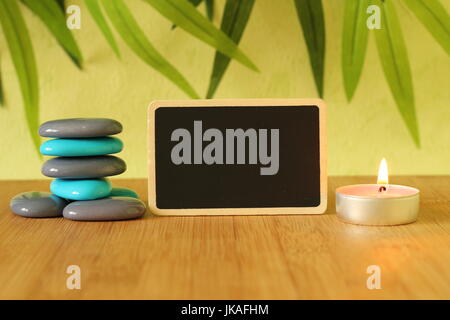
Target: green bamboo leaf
x,y
96,13
209,9
51,15
62,5
234,21
195,3
2,99
354,43
22,55
395,63
184,15
434,17
310,15
135,38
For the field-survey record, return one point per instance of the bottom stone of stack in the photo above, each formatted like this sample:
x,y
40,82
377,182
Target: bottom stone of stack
x,y
37,204
107,209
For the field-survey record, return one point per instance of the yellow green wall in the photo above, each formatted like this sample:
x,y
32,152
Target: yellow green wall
x,y
359,133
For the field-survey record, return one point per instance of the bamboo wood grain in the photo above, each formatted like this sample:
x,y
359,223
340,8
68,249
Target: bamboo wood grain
x,y
228,257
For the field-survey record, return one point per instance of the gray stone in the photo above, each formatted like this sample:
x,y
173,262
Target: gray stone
x,y
83,167
37,204
108,209
80,128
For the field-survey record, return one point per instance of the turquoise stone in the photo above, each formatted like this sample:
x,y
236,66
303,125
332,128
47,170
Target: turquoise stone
x,y
123,192
81,147
88,189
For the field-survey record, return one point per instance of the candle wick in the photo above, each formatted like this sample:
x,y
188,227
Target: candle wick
x,y
382,189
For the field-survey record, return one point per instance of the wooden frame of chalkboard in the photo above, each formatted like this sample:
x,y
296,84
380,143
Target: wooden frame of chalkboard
x,y
179,209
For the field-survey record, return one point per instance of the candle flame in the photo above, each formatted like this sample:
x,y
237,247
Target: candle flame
x,y
383,176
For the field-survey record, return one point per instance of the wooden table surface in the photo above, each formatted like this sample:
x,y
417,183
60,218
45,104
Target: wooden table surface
x,y
228,257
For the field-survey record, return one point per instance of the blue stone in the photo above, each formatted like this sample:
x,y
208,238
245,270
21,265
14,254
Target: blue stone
x,y
89,189
123,192
81,147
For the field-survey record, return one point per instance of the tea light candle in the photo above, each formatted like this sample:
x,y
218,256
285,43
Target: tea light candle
x,y
377,204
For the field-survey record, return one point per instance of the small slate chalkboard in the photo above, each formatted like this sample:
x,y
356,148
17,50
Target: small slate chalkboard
x,y
228,157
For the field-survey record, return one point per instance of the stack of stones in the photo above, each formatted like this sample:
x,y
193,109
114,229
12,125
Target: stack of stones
x,y
81,190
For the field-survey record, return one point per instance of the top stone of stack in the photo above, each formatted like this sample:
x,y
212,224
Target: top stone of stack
x,y
80,128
